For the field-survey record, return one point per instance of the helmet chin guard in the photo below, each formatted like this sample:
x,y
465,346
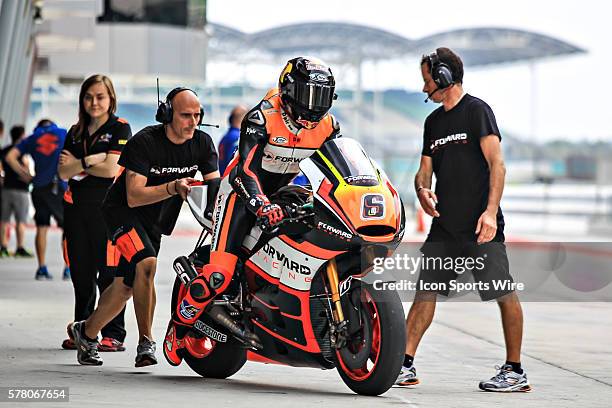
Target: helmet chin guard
x,y
307,124
302,120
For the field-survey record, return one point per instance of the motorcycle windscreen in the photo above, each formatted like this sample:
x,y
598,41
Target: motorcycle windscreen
x,y
197,201
350,161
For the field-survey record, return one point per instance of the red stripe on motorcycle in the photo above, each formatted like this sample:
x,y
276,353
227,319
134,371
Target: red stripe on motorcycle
x,y
310,249
291,316
265,304
256,358
398,204
324,192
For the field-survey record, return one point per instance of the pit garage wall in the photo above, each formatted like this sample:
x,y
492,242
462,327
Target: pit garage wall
x,y
17,52
137,49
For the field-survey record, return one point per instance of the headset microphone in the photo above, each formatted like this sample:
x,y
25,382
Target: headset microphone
x,y
158,100
441,73
209,124
429,95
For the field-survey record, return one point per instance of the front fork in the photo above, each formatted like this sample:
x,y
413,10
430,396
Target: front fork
x,y
339,326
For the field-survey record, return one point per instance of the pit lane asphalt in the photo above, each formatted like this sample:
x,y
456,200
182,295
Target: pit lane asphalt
x,y
567,354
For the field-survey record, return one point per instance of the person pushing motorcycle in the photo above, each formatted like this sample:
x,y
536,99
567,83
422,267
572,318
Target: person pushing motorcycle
x,y
288,125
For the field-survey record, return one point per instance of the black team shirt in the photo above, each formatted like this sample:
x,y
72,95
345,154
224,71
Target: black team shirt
x,y
151,154
110,138
11,179
452,140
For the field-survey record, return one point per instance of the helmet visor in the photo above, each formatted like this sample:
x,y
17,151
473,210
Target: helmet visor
x,y
312,96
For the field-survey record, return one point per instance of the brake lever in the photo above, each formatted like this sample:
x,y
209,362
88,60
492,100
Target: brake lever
x,y
298,213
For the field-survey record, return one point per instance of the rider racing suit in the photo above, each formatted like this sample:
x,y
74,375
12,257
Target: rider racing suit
x,y
269,151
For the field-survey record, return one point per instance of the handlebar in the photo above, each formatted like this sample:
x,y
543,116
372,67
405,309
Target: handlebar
x,y
298,212
294,214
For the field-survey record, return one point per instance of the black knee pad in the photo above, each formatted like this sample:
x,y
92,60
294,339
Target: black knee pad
x,y
199,290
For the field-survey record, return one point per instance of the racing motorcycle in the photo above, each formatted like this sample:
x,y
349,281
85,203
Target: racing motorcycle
x,y
298,297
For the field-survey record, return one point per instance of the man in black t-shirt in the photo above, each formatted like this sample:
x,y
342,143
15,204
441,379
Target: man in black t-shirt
x,y
15,201
159,162
461,146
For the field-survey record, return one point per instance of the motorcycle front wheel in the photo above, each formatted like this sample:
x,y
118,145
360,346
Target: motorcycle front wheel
x,y
372,359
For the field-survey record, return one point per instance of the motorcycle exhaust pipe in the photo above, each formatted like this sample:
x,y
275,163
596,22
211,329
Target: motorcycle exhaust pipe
x,y
220,316
184,269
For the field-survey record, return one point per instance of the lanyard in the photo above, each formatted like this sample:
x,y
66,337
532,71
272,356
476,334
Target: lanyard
x,y
95,139
93,142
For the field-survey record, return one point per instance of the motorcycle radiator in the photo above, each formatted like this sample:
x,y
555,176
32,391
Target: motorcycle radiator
x,y
319,310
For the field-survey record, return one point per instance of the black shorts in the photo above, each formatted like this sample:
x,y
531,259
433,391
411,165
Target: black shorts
x,y
448,261
47,201
129,242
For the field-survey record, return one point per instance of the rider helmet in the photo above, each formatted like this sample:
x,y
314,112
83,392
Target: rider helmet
x,y
307,90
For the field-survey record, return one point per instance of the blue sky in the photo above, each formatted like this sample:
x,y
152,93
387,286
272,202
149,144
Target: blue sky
x,y
570,93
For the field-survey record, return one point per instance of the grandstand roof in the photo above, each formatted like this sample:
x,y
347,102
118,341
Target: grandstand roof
x,y
348,42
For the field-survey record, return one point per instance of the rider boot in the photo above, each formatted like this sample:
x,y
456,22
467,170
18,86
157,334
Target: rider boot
x,y
212,281
174,342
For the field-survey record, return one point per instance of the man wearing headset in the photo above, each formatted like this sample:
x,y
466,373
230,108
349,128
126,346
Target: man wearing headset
x,y
461,146
287,126
158,163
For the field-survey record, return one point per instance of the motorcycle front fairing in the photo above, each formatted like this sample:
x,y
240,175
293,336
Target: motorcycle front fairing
x,y
354,201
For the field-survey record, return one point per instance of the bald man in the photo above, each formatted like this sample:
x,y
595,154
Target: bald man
x,y
159,163
229,141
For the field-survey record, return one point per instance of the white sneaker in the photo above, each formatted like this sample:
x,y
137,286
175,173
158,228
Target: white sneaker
x,y
506,380
407,376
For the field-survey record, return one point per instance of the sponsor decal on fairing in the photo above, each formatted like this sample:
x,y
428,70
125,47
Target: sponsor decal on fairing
x,y
372,207
334,231
292,267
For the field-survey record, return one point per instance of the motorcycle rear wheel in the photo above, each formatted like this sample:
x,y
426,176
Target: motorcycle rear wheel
x,y
222,361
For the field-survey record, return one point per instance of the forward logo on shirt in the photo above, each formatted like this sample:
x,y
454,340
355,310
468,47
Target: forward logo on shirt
x,y
456,138
162,171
